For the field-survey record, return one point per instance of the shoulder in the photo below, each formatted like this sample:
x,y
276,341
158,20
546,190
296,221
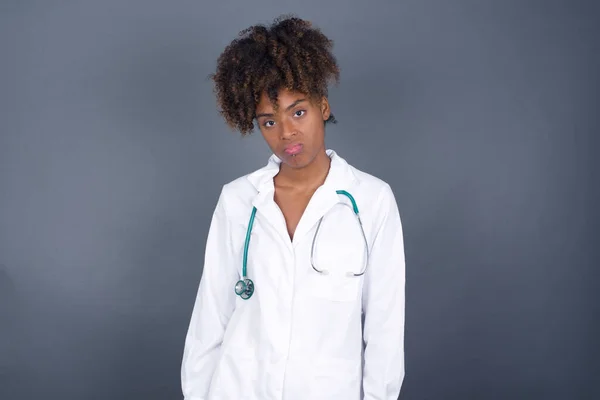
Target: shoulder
x,y
378,200
377,189
239,193
239,187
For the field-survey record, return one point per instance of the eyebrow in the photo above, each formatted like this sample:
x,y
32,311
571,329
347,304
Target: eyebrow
x,y
294,104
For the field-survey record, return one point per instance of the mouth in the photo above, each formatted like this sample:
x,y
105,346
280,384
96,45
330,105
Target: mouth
x,y
293,149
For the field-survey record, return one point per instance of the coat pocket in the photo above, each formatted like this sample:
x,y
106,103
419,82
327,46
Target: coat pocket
x,y
334,287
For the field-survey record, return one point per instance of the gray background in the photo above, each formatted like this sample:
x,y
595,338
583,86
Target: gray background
x,y
481,115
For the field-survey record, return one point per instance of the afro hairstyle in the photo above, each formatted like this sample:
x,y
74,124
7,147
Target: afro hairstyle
x,y
289,54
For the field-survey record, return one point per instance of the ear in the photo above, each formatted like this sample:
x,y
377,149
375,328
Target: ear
x,y
325,110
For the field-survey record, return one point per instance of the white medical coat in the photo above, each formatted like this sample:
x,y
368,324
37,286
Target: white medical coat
x,y
301,336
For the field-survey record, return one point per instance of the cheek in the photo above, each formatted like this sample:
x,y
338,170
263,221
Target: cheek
x,y
270,137
316,129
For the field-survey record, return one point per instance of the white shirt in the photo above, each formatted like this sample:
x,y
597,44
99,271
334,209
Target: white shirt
x,y
301,335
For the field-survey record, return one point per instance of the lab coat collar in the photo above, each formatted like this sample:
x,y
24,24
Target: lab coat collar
x,y
340,177
340,174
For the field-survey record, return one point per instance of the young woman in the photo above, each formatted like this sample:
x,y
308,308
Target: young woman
x,y
302,292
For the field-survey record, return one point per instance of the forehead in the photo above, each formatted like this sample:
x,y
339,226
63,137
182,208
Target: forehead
x,y
285,98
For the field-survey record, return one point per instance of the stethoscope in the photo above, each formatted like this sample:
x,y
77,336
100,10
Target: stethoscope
x,y
245,287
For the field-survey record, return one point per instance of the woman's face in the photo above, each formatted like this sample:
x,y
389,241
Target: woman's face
x,y
296,132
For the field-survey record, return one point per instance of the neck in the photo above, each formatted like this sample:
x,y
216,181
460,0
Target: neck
x,y
312,175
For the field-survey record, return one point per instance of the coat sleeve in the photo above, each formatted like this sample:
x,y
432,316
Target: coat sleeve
x,y
383,306
213,307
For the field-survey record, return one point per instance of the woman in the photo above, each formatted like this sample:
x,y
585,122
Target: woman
x,y
290,271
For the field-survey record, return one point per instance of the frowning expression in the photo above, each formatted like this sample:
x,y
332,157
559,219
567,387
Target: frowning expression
x,y
295,131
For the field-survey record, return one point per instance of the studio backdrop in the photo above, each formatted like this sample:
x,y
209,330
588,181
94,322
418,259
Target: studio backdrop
x,y
481,115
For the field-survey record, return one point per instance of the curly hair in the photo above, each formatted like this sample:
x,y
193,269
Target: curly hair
x,y
289,54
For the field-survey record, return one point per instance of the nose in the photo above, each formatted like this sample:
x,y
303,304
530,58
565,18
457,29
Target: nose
x,y
288,130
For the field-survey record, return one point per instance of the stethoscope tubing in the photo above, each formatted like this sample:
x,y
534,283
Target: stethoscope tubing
x,y
245,287
357,214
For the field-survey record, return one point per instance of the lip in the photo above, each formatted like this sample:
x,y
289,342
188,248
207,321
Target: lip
x,y
293,149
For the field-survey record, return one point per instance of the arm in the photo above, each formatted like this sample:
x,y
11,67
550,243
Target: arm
x,y
215,302
383,306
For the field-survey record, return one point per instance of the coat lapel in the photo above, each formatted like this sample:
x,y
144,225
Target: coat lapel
x,y
321,202
340,177
264,201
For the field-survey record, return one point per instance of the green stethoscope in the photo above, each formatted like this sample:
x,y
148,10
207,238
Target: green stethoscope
x,y
245,287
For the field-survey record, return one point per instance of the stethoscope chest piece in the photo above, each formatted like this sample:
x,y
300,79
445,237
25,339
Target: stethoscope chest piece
x,y
244,288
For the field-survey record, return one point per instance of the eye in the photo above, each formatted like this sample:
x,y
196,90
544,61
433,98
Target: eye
x,y
299,113
269,124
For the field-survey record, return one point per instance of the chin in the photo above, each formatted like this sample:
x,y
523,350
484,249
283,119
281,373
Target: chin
x,y
298,161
